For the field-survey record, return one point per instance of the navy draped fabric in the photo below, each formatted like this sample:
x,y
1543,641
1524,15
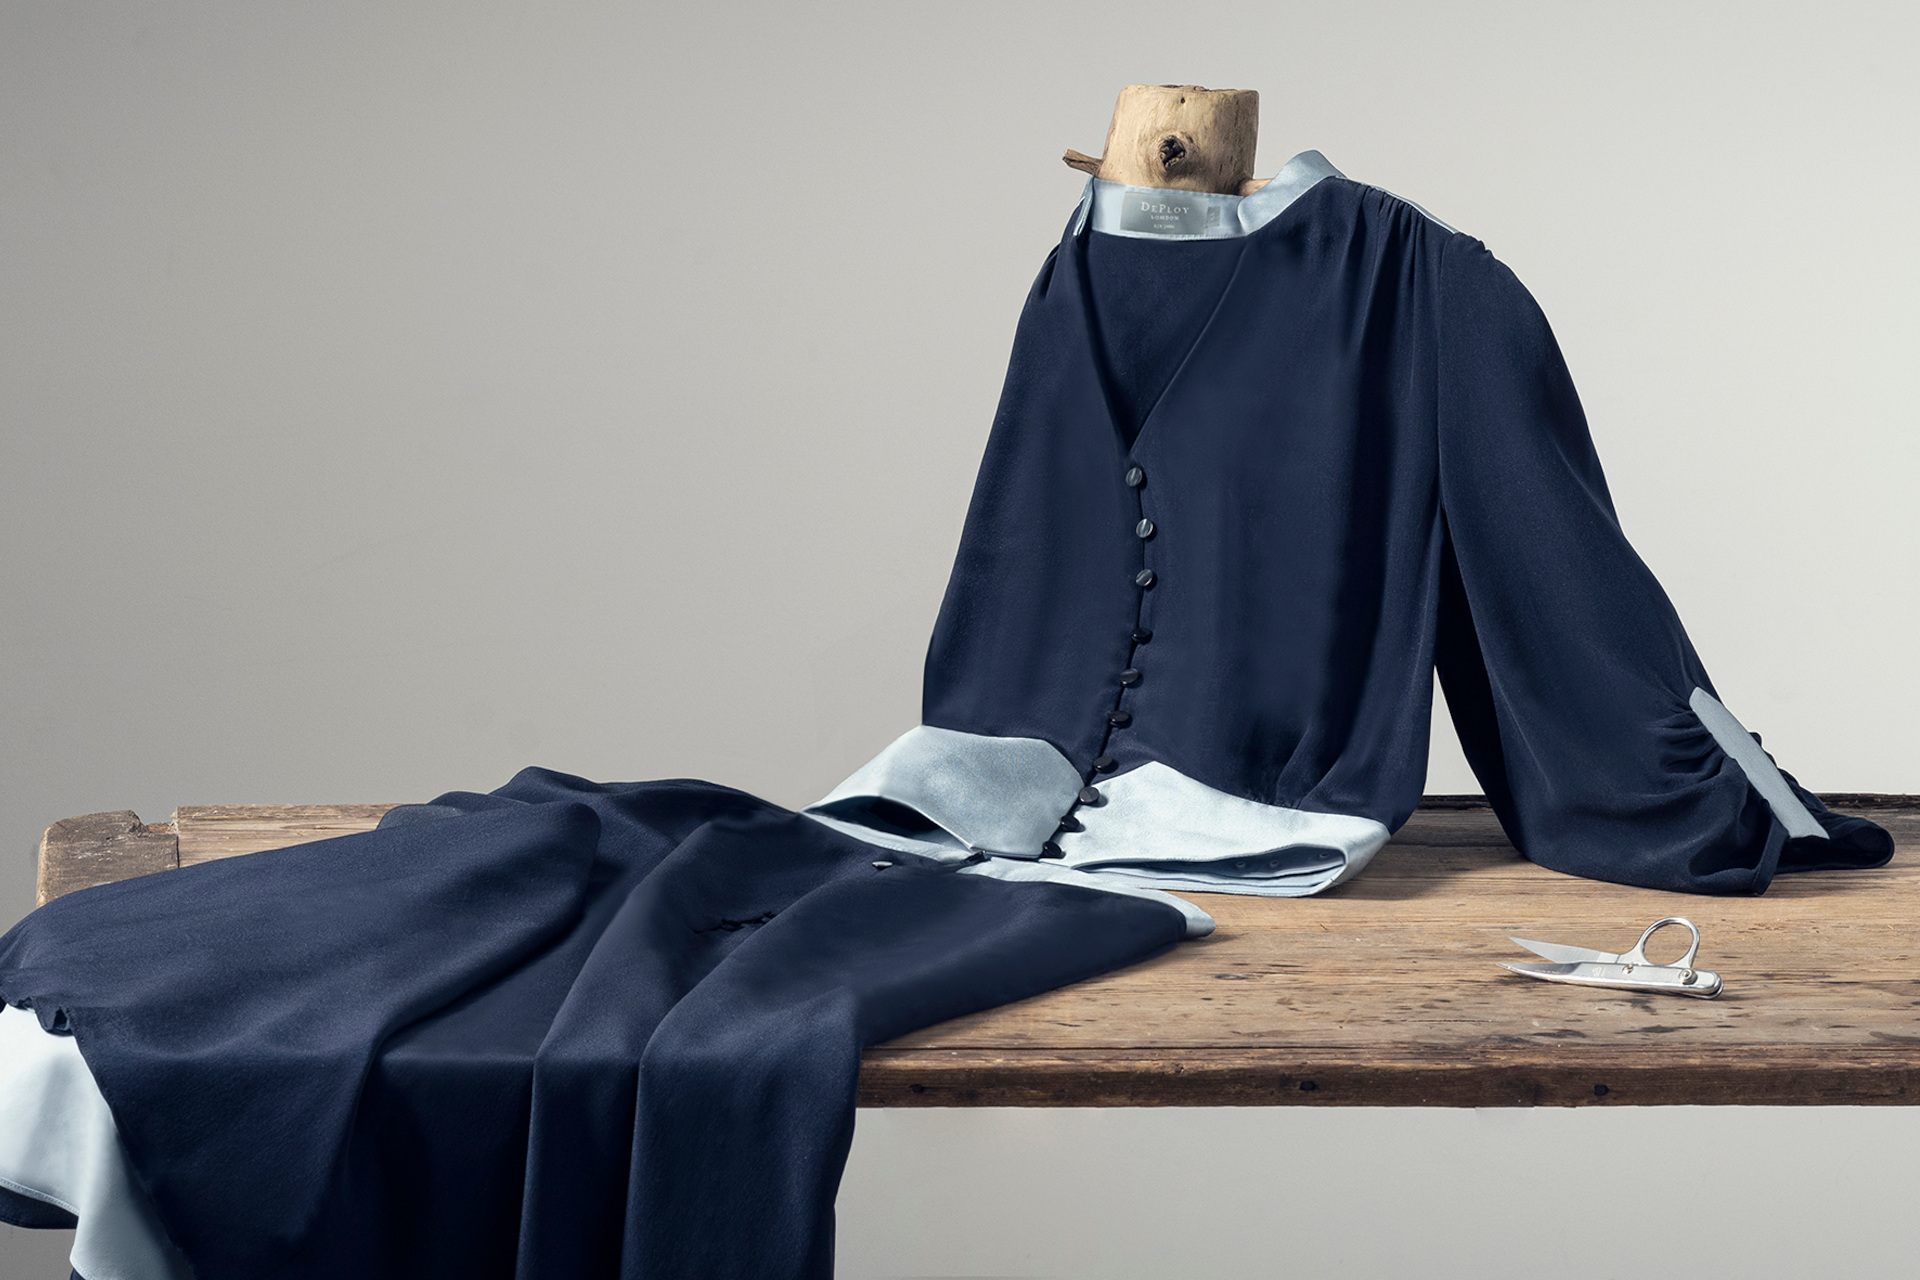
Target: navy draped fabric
x,y
562,1031
1241,497
1151,300
1367,459
25,1211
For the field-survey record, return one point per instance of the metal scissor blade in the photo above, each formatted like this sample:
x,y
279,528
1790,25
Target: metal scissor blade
x,y
1551,972
1703,983
1560,953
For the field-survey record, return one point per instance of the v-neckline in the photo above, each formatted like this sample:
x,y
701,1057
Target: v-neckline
x,y
1090,335
1296,179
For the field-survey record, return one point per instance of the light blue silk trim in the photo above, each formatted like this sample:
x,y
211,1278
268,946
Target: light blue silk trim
x,y
1217,217
949,850
1199,923
1421,210
944,849
1761,772
1157,815
58,1144
1107,204
1005,796
994,795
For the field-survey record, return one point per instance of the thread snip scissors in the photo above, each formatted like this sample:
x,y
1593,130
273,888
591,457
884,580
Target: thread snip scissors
x,y
1628,970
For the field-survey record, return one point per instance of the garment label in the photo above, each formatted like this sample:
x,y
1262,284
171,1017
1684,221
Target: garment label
x,y
1169,213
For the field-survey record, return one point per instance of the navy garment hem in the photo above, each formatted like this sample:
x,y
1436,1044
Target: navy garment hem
x,y
559,1031
35,1215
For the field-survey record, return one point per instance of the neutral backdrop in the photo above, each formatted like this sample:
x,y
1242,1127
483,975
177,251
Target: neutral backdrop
x,y
393,395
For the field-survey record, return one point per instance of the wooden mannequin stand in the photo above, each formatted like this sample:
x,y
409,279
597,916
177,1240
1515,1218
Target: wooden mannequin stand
x,y
1181,137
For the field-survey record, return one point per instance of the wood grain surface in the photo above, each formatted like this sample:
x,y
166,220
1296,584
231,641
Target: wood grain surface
x,y
1180,137
98,848
211,831
1384,992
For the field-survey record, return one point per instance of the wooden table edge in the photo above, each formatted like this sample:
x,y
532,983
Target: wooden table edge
x,y
103,847
979,1078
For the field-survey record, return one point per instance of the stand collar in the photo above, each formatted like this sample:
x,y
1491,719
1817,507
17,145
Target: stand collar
x,y
1157,213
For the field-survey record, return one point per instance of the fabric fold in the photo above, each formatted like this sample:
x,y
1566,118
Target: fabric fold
x,y
244,1041
561,1031
1578,698
1147,827
61,1163
992,794
1153,825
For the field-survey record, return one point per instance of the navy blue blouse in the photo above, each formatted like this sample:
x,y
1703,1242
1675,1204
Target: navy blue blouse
x,y
1260,465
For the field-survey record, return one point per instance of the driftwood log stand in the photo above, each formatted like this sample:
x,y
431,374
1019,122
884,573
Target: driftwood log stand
x,y
1179,136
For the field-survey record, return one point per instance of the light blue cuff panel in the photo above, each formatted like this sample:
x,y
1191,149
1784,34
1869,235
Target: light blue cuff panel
x,y
994,795
1761,771
1152,828
1154,825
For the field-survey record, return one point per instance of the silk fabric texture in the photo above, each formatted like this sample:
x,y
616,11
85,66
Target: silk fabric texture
x,y
560,1031
1367,461
570,1029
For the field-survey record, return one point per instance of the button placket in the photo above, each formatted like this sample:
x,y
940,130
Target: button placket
x,y
1145,580
1118,717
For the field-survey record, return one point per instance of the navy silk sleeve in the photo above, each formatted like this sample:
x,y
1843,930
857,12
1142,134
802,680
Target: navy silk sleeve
x,y
1578,699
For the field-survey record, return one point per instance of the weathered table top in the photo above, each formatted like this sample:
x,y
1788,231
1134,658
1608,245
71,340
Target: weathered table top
x,y
1383,992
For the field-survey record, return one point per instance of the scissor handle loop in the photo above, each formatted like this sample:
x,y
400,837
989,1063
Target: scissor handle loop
x,y
1639,953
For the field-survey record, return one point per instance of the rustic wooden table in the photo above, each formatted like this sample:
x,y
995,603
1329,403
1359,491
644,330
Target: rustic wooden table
x,y
1385,992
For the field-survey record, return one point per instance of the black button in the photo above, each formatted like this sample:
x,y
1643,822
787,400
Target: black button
x,y
1135,477
1071,823
1143,579
1050,850
1088,795
1104,764
1120,719
1144,529
1141,635
1130,677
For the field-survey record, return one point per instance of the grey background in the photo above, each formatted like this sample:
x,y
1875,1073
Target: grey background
x,y
393,395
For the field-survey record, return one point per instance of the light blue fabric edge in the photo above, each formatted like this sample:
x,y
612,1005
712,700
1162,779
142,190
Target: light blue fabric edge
x,y
1000,796
1101,203
966,784
1199,923
1156,812
59,1145
1762,774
